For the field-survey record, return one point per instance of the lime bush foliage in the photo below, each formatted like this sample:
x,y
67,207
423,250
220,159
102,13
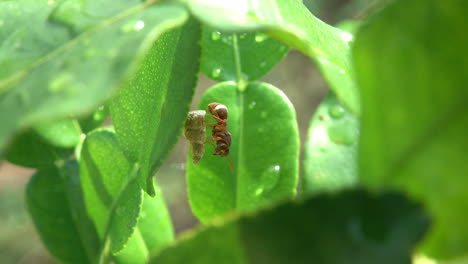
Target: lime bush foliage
x,y
395,118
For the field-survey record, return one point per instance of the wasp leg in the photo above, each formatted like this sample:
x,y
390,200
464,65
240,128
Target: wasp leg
x,y
230,163
216,118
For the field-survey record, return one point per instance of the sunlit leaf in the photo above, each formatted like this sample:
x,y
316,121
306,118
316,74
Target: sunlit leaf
x,y
330,153
291,23
264,152
149,112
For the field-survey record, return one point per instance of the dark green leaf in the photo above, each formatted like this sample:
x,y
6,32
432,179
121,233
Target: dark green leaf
x,y
353,227
55,202
330,153
63,133
53,65
155,222
264,152
412,65
291,23
94,120
149,112
112,196
257,54
33,151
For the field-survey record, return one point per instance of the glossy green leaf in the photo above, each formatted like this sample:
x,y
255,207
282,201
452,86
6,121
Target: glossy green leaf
x,y
55,202
31,150
94,120
264,152
257,54
330,153
115,201
352,227
113,198
291,23
412,64
62,58
149,112
62,133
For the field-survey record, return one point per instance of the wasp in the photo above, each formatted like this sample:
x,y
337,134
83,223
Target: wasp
x,y
220,134
195,132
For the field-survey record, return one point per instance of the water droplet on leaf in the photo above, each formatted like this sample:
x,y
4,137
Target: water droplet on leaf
x,y
252,104
341,134
215,73
139,25
336,111
59,83
260,37
215,35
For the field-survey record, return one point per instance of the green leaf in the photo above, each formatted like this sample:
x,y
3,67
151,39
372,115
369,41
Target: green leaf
x,y
291,23
55,202
94,120
154,231
31,150
62,58
149,112
113,198
330,153
155,222
352,227
115,201
62,133
412,65
257,54
264,152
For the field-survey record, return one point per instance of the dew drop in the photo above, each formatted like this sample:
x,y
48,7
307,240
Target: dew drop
x,y
341,134
60,82
336,111
270,177
139,25
252,105
260,37
215,73
259,191
215,35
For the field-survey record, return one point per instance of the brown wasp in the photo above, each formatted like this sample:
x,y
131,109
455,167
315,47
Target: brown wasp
x,y
220,134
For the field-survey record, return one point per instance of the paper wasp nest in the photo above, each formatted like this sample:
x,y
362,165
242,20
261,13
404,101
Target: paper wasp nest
x,y
195,132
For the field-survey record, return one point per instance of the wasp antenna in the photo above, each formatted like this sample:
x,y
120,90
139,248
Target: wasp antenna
x,y
230,163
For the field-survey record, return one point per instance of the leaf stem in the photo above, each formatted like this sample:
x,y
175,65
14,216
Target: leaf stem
x,y
241,82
